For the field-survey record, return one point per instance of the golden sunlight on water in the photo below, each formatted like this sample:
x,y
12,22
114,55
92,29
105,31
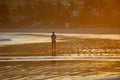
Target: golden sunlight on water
x,y
84,44
81,45
26,38
62,70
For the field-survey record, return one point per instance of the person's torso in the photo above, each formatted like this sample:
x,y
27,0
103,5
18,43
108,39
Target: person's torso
x,y
53,37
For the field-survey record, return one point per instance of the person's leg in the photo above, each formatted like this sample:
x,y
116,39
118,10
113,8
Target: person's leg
x,y
52,48
55,48
54,51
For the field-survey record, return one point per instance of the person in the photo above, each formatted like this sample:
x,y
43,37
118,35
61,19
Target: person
x,y
53,38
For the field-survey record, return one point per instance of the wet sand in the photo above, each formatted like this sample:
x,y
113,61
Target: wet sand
x,y
59,70
70,46
62,70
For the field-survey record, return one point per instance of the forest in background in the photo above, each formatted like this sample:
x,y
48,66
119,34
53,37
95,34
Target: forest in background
x,y
59,13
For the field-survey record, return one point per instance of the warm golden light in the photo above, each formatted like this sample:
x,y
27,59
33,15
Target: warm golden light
x,y
59,39
40,13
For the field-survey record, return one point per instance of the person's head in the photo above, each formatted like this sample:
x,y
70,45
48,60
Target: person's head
x,y
53,33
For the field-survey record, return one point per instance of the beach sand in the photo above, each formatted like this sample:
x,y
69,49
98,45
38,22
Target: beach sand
x,y
61,70
66,45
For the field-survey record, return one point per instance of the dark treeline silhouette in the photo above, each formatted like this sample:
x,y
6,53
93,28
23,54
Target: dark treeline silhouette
x,y
56,13
4,13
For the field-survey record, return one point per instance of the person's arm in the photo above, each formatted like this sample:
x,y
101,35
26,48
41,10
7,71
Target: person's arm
x,y
55,37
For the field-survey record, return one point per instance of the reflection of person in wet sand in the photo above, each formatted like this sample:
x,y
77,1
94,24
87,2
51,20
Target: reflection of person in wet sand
x,y
53,38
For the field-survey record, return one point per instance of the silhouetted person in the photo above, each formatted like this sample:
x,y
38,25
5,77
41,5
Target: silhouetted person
x,y
53,38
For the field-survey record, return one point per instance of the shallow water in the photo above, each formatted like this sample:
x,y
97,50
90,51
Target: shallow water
x,y
58,58
60,70
67,44
80,45
26,38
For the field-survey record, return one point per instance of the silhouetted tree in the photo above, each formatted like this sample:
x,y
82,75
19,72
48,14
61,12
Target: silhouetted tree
x,y
20,10
29,11
51,10
42,10
5,12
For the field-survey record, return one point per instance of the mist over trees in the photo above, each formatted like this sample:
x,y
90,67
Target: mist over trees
x,y
56,13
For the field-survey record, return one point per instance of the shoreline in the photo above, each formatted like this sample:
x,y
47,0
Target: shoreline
x,y
59,58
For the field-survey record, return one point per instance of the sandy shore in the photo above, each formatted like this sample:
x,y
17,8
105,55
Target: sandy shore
x,y
62,70
70,46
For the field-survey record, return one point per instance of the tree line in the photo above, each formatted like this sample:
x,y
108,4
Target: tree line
x,y
76,12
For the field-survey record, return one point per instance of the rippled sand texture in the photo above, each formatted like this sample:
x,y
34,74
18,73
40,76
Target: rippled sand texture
x,y
66,45
62,70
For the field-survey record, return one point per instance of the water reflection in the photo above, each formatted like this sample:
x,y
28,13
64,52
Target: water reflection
x,y
62,70
39,44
